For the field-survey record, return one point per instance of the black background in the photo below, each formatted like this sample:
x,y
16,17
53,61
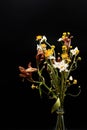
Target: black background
x,y
20,22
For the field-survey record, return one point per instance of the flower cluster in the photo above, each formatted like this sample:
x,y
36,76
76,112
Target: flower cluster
x,y
57,68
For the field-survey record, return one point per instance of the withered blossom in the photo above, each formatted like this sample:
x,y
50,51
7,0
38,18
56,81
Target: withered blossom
x,y
40,55
27,73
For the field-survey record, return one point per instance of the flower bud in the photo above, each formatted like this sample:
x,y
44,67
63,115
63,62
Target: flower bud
x,y
75,81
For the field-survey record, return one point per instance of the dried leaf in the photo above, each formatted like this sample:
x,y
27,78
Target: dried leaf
x,y
56,105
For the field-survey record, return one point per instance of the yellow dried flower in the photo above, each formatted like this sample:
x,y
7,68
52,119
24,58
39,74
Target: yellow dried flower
x,y
33,86
68,33
43,45
48,52
70,46
64,33
75,81
52,46
79,58
58,53
67,81
39,37
64,48
63,36
77,52
64,56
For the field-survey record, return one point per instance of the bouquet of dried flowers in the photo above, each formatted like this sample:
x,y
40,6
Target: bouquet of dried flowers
x,y
53,69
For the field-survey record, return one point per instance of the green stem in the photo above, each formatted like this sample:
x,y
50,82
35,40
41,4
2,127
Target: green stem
x,y
62,89
54,95
71,66
48,44
42,81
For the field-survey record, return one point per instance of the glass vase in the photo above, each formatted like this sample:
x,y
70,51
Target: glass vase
x,y
60,119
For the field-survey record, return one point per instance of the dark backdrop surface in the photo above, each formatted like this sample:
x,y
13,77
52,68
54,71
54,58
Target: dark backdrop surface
x,y
20,22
